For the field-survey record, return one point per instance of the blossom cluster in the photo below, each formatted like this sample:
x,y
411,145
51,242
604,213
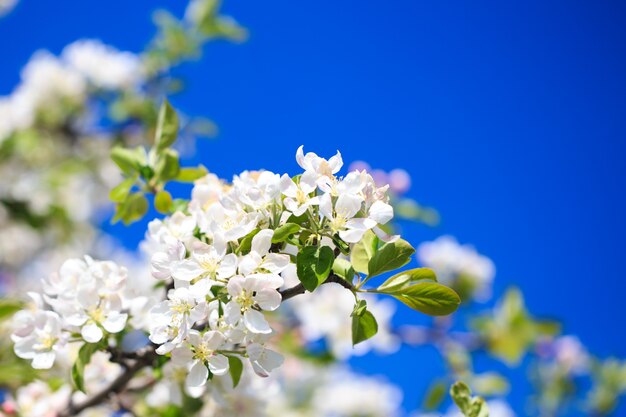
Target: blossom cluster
x,y
223,261
226,265
84,298
49,83
459,266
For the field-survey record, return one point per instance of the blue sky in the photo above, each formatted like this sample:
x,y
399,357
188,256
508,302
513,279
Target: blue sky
x,y
508,115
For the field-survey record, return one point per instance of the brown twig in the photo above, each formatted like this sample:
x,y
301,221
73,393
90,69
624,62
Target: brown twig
x,y
117,386
299,289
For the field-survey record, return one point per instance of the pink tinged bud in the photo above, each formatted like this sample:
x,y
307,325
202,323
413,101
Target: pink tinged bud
x,y
9,407
359,166
399,181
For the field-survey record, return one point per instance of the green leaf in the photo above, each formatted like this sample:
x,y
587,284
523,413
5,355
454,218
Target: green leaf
x,y
283,232
132,209
167,165
9,307
429,298
78,369
343,268
359,308
313,265
389,257
363,251
121,190
191,174
364,324
167,126
405,278
246,243
469,406
435,396
490,384
235,368
163,202
129,161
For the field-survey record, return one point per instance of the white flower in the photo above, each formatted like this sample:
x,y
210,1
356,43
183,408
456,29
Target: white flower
x,y
326,314
452,262
207,191
261,260
176,227
263,360
47,81
299,197
206,261
347,394
253,290
42,343
103,65
230,224
172,319
87,294
38,400
571,354
322,168
202,357
342,217
257,190
163,262
94,313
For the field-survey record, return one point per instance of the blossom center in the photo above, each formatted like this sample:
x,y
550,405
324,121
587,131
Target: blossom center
x,y
245,300
203,352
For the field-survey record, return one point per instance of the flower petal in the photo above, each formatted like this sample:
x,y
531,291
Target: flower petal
x,y
91,332
218,364
198,375
262,241
256,323
115,322
186,270
43,360
268,299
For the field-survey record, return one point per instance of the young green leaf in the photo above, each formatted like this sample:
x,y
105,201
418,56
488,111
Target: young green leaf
x,y
435,395
191,174
469,406
363,251
429,298
167,165
129,161
9,307
167,126
343,268
364,324
235,368
389,257
163,202
246,242
132,209
78,369
313,265
406,278
283,232
121,190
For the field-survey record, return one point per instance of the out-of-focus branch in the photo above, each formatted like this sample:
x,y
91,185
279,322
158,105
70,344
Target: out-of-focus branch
x,y
141,360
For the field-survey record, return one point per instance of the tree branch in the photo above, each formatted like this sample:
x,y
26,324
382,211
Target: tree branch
x,y
118,385
148,355
299,289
